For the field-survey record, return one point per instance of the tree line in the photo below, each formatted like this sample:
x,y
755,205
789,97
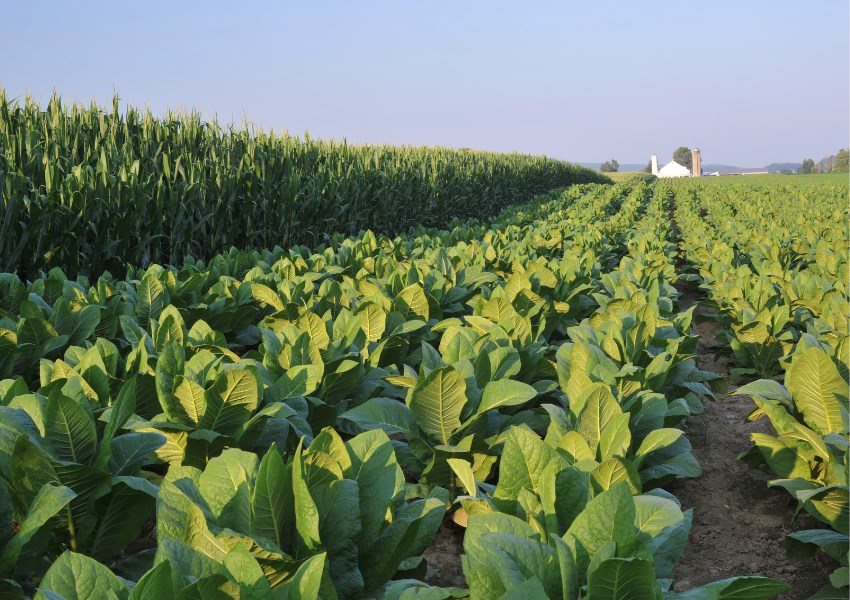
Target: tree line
x,y
839,163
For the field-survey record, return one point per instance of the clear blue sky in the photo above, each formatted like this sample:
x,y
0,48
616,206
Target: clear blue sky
x,y
749,82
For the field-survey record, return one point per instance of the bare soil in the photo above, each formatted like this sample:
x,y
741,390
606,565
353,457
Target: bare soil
x,y
739,523
443,557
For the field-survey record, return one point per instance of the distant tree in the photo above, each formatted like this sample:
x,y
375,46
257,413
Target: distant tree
x,y
648,167
807,166
815,170
610,166
842,162
683,156
824,165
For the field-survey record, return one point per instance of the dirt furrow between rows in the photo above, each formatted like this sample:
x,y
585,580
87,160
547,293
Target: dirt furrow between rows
x,y
739,523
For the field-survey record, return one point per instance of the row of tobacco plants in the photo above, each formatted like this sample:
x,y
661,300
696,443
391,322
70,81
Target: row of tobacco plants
x,y
298,423
773,261
89,189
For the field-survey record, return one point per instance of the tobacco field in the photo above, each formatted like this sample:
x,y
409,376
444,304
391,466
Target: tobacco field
x,y
297,417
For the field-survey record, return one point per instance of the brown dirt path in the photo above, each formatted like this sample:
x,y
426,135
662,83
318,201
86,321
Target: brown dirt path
x,y
739,523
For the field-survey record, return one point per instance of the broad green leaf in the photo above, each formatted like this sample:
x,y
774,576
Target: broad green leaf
x,y
272,500
247,574
673,460
524,458
818,390
609,516
169,373
438,472
39,334
121,516
735,588
653,514
767,389
226,486
150,299
78,325
783,457
575,448
504,362
328,451
216,586
200,538
31,468
517,559
828,504
69,429
604,424
265,295
613,471
782,420
314,326
230,401
412,303
413,588
373,320
392,416
170,328
801,545
530,588
650,416
47,503
566,556
663,528
840,578
300,380
623,579
505,392
660,438
307,581
192,399
484,577
437,401
76,577
413,529
338,509
177,491
156,584
564,492
815,443
122,410
457,348
189,563
380,481
463,471
129,452
306,511
559,424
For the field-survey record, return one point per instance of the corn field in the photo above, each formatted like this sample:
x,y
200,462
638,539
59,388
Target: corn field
x,y
90,189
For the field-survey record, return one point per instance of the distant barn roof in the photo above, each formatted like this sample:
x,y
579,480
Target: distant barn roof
x,y
674,169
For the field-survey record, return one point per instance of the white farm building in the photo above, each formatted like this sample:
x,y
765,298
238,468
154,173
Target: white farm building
x,y
674,169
